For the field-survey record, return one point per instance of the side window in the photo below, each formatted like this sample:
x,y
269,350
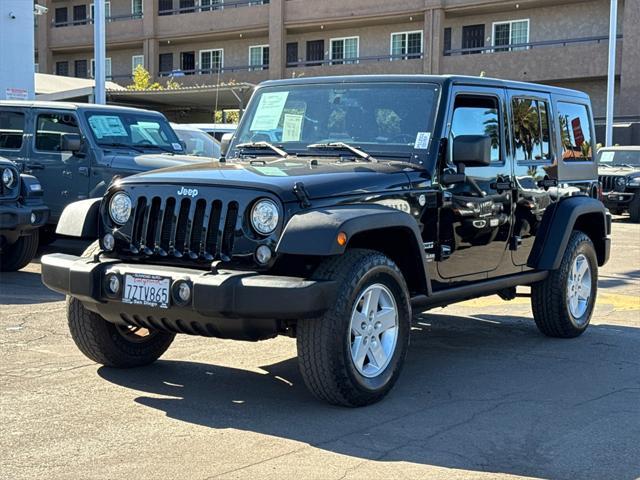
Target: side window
x,y
478,115
11,130
530,119
575,132
50,127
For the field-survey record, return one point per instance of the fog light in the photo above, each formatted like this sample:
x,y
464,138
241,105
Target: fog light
x,y
263,254
113,284
34,218
108,242
182,292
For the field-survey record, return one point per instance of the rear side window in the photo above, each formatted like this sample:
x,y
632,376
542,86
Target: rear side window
x,y
50,128
575,132
11,130
530,120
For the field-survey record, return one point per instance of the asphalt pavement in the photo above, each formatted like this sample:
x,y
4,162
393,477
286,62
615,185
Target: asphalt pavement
x,y
482,395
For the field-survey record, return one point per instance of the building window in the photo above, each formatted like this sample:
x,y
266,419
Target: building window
x,y
575,132
165,61
136,61
259,57
80,68
62,68
107,10
473,38
292,54
406,45
187,6
513,32
530,120
188,62
447,42
207,5
344,50
211,61
136,8
165,7
107,68
80,15
61,17
315,51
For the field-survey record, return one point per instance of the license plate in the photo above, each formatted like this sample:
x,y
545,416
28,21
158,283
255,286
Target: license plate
x,y
147,290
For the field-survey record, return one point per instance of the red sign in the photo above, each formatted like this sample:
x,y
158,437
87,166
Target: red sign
x,y
577,131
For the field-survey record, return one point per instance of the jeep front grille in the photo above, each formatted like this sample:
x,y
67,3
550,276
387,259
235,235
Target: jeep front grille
x,y
197,229
611,183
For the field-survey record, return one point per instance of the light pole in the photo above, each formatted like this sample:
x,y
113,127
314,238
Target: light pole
x,y
99,53
611,74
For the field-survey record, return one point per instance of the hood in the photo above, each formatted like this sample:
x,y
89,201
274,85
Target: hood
x,y
326,178
618,171
144,162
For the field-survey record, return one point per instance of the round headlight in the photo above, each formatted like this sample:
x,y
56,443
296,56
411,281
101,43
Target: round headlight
x,y
8,178
120,208
264,216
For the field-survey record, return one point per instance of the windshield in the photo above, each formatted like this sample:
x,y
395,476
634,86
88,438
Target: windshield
x,y
619,157
198,143
395,119
134,130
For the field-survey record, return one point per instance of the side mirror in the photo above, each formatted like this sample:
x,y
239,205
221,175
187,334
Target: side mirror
x,y
225,141
472,151
70,142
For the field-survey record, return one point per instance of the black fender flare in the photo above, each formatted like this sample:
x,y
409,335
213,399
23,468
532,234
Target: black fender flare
x,y
557,224
314,232
80,219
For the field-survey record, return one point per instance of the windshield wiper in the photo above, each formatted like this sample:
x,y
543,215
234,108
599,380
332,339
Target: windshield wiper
x,y
262,146
122,145
341,146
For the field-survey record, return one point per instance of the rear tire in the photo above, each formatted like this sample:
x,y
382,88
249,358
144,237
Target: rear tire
x,y
562,304
110,344
17,256
353,354
634,208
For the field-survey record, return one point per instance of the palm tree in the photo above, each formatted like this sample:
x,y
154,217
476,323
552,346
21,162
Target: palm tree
x,y
526,126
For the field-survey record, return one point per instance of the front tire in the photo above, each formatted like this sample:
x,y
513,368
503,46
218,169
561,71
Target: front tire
x,y
18,255
353,354
109,344
563,303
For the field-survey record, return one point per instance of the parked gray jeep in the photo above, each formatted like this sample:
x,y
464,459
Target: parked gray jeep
x,y
619,174
343,205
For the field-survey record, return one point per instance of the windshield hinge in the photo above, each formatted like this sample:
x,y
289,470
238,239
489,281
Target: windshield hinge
x,y
301,194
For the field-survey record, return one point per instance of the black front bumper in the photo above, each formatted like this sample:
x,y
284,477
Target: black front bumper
x,y
613,200
15,218
227,304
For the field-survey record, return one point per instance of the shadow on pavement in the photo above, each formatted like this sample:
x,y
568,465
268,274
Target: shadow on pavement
x,y
25,288
485,393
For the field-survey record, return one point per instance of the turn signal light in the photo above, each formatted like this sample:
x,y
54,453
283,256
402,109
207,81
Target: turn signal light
x,y
341,239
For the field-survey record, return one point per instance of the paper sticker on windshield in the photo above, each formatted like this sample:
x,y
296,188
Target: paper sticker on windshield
x,y
107,126
422,141
606,157
271,171
269,111
292,127
176,146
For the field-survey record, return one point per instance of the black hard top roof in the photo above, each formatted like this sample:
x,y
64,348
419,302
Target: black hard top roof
x,y
70,106
439,79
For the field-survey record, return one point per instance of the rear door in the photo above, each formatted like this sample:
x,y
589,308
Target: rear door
x,y
64,175
535,166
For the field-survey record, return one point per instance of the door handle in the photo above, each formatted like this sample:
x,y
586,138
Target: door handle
x,y
34,166
83,171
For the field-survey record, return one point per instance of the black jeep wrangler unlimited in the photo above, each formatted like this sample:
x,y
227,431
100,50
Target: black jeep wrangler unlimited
x,y
21,213
619,174
344,204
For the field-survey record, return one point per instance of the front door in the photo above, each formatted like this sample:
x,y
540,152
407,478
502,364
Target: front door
x,y
315,51
476,220
535,167
473,37
64,175
188,62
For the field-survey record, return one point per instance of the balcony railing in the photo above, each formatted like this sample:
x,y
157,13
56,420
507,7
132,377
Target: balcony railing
x,y
526,46
213,71
88,21
354,60
216,6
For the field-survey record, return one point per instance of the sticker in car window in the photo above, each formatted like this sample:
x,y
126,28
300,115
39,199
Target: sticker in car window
x,y
269,111
422,141
177,146
107,126
292,127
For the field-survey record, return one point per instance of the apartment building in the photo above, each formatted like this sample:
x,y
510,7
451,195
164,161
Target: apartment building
x,y
211,42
